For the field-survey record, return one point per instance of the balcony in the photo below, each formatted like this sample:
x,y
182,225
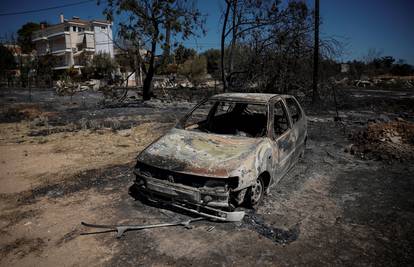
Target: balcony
x,y
59,45
49,32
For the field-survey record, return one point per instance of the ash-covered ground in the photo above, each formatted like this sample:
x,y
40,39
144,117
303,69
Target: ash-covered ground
x,y
350,200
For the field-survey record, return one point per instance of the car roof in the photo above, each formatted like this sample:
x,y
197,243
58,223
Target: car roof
x,y
247,97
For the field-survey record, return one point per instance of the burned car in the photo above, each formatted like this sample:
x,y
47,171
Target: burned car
x,y
228,151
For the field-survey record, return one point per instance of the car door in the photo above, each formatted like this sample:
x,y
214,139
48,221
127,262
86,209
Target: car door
x,y
283,138
298,119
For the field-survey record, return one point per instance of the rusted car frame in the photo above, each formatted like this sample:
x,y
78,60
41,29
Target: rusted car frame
x,y
211,174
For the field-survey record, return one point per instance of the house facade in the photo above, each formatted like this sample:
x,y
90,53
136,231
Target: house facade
x,y
73,42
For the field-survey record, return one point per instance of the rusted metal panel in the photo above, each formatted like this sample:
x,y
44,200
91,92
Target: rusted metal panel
x,y
246,97
198,153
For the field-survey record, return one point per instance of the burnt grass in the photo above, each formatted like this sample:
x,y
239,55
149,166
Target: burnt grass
x,y
256,222
384,202
85,110
376,226
23,247
98,179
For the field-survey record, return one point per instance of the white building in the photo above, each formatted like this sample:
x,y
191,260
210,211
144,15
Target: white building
x,y
74,41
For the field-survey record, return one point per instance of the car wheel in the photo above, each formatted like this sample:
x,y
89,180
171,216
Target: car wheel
x,y
255,193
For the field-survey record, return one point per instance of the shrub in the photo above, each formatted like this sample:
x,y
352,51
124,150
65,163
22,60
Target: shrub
x,y
194,69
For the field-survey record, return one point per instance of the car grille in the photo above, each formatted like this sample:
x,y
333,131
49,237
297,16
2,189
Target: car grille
x,y
185,179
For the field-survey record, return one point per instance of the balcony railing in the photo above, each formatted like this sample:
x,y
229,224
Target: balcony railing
x,y
48,32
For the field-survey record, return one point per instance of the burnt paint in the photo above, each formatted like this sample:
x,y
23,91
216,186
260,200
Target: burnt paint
x,y
225,156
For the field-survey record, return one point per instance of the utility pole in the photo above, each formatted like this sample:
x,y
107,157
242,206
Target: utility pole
x,y
222,45
315,95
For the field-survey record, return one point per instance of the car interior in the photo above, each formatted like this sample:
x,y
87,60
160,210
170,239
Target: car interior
x,y
294,109
240,119
280,122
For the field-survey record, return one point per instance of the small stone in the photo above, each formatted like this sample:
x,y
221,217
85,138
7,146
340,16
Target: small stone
x,y
395,139
125,133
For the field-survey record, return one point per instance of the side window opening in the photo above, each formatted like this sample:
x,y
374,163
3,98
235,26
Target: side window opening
x,y
229,118
280,122
294,109
199,116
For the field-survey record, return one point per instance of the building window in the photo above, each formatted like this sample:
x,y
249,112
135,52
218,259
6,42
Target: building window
x,y
103,27
74,28
66,28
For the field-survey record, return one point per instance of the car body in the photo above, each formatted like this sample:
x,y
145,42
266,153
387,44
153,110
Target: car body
x,y
246,142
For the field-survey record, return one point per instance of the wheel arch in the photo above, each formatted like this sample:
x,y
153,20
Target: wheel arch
x,y
266,179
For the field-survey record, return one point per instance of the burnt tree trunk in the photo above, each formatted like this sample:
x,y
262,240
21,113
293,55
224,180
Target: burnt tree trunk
x,y
147,86
146,89
233,44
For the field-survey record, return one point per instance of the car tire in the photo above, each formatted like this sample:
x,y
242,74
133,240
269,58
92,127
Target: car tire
x,y
255,193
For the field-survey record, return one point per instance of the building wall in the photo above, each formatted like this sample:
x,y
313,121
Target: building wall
x,y
74,36
103,39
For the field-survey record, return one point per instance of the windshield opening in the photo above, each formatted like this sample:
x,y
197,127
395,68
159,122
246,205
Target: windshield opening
x,y
229,118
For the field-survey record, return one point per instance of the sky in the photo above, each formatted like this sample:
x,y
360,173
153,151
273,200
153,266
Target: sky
x,y
384,25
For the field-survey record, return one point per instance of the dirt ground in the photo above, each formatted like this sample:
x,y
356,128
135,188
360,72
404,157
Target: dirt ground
x,y
63,161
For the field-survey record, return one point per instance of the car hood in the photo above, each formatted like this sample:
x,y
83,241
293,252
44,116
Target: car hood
x,y
199,153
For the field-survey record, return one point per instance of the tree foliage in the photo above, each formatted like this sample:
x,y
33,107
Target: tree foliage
x,y
268,46
24,36
182,54
7,61
213,62
144,22
373,64
194,69
102,66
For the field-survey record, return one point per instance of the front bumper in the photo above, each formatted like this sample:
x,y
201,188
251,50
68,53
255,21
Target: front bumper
x,y
205,202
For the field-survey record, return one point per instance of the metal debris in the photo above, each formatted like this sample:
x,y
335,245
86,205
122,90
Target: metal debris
x,y
121,229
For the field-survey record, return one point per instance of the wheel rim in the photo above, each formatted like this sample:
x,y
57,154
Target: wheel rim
x,y
257,190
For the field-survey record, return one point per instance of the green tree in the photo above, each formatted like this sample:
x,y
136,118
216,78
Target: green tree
x,y
144,22
213,61
7,61
194,69
101,66
183,54
43,68
402,69
24,36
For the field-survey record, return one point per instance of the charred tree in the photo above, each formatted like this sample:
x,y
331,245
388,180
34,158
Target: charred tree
x,y
146,19
222,44
146,88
